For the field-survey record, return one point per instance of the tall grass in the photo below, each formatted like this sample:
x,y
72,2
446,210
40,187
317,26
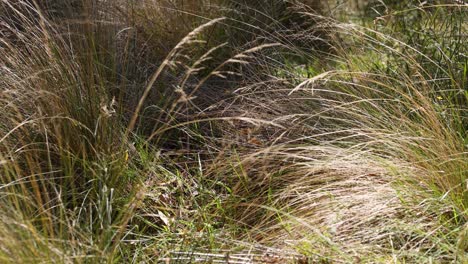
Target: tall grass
x,y
230,131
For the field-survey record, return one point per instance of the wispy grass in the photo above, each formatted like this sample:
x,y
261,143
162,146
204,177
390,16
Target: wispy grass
x,y
261,132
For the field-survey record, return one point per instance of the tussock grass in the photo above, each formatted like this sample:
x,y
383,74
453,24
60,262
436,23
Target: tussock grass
x,y
262,132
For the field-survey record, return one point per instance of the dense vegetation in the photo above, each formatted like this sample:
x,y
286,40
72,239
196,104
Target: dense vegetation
x,y
230,131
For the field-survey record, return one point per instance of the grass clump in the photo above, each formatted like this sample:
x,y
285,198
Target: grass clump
x,y
270,132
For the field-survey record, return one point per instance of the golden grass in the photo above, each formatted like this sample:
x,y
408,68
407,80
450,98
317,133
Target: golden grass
x,y
252,140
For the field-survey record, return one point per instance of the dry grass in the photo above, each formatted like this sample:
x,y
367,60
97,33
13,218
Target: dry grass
x,y
258,134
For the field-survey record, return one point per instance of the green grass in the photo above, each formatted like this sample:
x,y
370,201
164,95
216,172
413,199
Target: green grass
x,y
269,132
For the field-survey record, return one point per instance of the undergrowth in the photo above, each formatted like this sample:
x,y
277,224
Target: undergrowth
x,y
233,131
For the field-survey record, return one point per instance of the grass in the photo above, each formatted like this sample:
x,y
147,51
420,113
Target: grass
x,y
226,131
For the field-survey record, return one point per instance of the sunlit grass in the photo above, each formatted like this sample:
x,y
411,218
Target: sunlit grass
x,y
268,133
